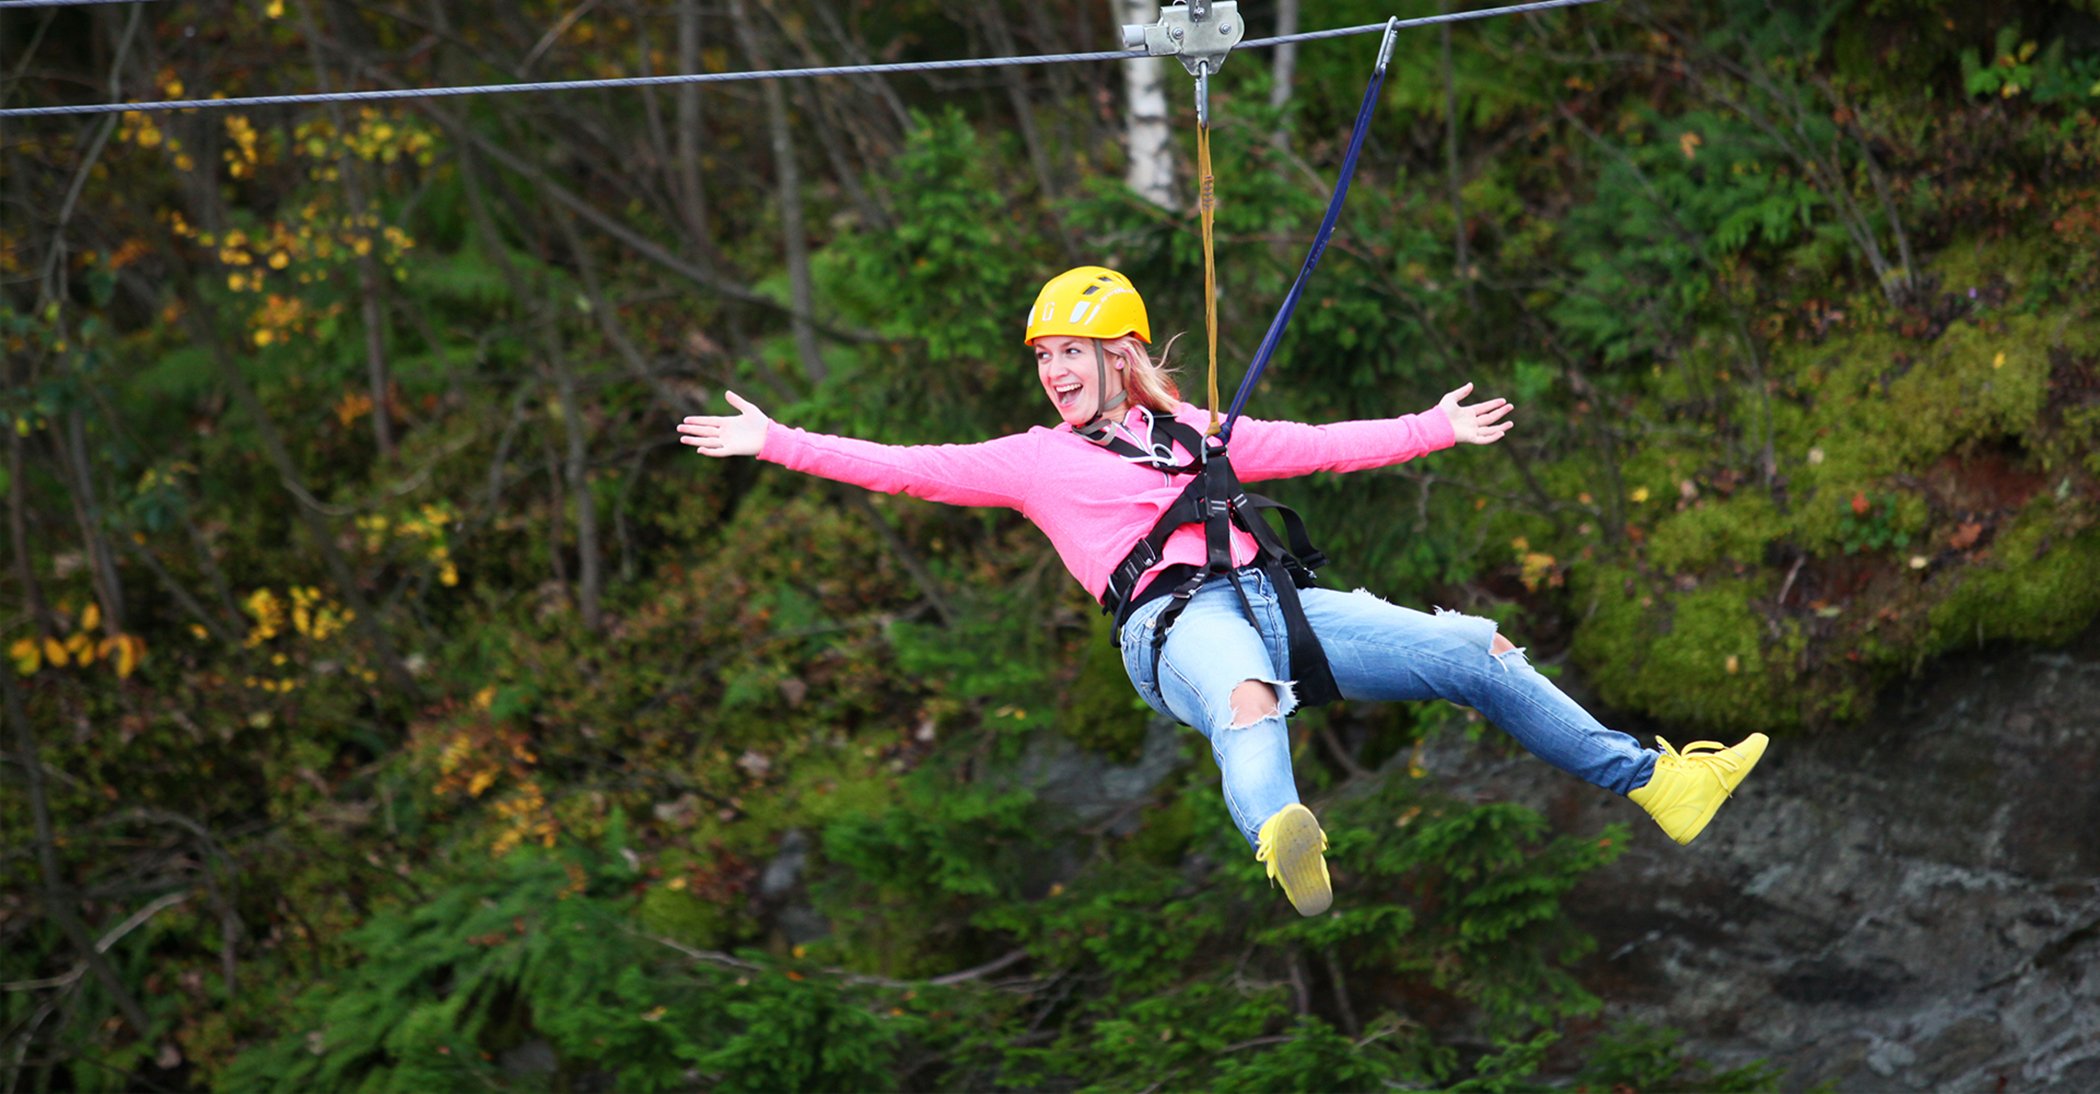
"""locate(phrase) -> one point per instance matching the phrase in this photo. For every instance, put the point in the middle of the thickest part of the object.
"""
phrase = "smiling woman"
(1083, 320)
(1221, 628)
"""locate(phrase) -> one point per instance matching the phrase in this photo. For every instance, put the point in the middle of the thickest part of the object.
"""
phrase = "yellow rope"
(1207, 203)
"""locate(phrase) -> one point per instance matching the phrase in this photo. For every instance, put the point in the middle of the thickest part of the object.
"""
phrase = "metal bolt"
(1224, 28)
(1177, 34)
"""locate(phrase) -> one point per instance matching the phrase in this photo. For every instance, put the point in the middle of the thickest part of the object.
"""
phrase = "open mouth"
(1066, 394)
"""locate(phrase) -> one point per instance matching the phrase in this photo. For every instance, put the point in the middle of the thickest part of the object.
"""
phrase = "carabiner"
(1385, 48)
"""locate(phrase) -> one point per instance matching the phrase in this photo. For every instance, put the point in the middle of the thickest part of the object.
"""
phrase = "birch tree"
(1148, 139)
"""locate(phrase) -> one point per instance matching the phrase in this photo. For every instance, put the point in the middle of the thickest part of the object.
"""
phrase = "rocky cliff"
(1909, 904)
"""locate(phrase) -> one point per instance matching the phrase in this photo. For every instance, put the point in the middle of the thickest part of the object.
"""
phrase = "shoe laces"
(1713, 757)
(1265, 853)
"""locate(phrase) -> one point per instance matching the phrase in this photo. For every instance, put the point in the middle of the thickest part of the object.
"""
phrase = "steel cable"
(232, 102)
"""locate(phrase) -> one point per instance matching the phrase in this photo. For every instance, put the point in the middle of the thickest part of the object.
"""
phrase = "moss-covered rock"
(1735, 529)
(2041, 583)
(1702, 657)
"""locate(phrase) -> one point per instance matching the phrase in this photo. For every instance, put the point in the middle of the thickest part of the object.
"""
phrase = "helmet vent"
(1090, 290)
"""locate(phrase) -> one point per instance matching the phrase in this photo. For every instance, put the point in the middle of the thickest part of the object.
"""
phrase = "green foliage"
(2042, 586)
(1636, 1057)
(1663, 246)
(908, 880)
(1869, 523)
(1736, 529)
(948, 282)
(2019, 65)
(1100, 711)
(1702, 657)
(535, 974)
(803, 1035)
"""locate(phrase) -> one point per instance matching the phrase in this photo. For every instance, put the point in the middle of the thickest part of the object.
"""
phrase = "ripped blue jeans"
(1376, 651)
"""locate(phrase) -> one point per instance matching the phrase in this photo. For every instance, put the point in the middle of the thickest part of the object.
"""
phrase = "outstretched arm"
(1265, 450)
(995, 472)
(1480, 423)
(742, 434)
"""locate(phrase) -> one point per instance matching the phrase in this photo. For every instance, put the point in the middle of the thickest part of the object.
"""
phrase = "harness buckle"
(1124, 578)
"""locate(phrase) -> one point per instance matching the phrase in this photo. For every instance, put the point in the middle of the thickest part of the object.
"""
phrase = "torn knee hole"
(1253, 701)
(1500, 645)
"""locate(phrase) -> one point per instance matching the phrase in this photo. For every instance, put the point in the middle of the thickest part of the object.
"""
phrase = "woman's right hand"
(741, 435)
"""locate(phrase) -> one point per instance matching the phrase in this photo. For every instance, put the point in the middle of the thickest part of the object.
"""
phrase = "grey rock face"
(1911, 904)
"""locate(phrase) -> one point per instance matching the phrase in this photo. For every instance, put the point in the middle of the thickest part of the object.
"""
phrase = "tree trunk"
(1283, 68)
(102, 563)
(18, 532)
(1459, 260)
(1148, 140)
(788, 182)
(58, 896)
(692, 193)
(576, 471)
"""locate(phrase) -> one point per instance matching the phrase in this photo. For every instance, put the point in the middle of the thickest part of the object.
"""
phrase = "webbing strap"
(1312, 257)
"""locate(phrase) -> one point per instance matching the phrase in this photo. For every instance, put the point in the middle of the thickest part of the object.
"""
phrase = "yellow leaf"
(26, 656)
(92, 617)
(1689, 143)
(55, 652)
(131, 649)
(1998, 361)
(481, 781)
(1639, 495)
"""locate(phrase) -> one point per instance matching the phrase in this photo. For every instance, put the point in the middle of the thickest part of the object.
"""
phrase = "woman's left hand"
(1480, 423)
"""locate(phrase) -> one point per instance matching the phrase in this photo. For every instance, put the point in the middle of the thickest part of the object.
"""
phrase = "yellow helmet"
(1089, 302)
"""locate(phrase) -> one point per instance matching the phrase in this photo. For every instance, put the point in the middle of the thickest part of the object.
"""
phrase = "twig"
(716, 957)
(112, 938)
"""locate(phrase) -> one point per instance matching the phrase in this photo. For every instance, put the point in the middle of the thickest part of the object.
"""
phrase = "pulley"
(1201, 33)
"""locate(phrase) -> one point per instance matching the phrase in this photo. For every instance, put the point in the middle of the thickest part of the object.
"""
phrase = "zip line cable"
(727, 77)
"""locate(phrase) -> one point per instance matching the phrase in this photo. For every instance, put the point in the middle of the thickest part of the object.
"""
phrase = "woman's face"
(1071, 378)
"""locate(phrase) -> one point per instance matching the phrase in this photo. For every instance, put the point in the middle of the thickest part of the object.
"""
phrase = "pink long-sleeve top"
(1093, 504)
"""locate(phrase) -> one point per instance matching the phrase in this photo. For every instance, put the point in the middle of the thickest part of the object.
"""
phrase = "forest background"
(392, 703)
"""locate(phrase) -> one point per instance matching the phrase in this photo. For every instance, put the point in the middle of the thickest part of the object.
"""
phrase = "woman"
(1098, 482)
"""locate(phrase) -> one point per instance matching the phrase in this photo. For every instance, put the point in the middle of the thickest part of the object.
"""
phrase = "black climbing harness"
(1214, 497)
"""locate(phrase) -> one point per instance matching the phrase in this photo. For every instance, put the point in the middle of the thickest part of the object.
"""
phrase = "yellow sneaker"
(1292, 844)
(1688, 786)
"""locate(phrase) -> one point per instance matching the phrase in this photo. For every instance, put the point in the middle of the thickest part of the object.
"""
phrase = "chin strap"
(1100, 427)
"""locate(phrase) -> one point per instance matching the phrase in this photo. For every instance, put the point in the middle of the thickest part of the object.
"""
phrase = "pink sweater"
(1093, 504)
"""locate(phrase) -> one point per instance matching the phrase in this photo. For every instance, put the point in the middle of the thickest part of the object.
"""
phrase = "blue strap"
(1312, 257)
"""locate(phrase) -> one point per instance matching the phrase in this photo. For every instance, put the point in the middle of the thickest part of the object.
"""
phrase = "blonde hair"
(1150, 383)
